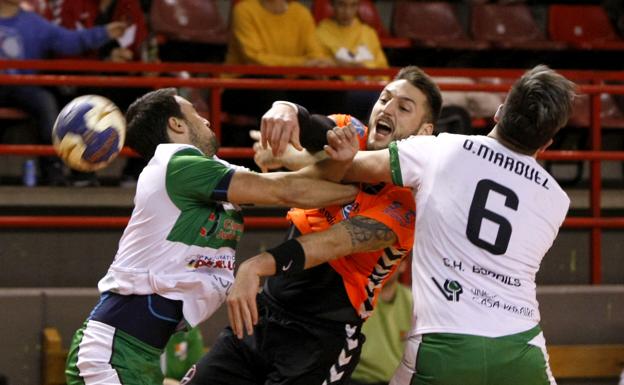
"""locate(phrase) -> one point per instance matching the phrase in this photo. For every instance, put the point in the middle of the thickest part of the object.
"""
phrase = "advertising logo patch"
(451, 290)
(197, 261)
(404, 217)
(359, 127)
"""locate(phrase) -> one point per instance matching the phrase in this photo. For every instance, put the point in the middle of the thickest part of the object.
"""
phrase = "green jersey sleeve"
(193, 177)
(395, 164)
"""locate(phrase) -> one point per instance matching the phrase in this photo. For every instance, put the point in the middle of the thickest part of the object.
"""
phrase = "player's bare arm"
(287, 189)
(369, 167)
(302, 188)
(367, 234)
(357, 234)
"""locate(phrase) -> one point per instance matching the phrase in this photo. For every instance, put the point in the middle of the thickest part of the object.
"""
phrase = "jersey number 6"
(478, 212)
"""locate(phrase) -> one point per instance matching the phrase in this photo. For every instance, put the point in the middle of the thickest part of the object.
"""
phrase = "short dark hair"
(147, 120)
(419, 79)
(537, 106)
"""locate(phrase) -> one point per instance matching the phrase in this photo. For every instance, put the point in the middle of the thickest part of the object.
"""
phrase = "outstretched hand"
(342, 144)
(241, 302)
(263, 157)
(279, 126)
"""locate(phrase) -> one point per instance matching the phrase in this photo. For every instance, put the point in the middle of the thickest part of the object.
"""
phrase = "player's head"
(162, 116)
(537, 106)
(345, 11)
(409, 105)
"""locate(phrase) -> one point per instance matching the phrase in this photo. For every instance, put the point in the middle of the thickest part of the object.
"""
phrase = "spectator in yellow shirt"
(352, 43)
(274, 33)
(348, 41)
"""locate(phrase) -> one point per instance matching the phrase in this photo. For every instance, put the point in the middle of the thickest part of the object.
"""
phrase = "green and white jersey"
(485, 218)
(179, 242)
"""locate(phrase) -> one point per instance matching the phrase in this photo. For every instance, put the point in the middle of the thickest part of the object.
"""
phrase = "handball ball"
(89, 133)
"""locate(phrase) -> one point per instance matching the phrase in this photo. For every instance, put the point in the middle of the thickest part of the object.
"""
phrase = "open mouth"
(383, 128)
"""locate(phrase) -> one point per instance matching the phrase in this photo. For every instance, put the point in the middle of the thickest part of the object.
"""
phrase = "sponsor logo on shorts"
(451, 289)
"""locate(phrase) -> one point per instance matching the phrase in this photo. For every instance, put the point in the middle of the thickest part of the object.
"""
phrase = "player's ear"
(499, 113)
(176, 125)
(425, 129)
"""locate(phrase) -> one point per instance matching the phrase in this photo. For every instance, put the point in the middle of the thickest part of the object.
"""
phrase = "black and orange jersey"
(364, 273)
(361, 275)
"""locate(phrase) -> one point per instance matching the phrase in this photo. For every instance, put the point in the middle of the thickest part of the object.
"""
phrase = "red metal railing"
(75, 222)
(217, 84)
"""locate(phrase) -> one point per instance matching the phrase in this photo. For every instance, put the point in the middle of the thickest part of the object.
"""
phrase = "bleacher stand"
(188, 20)
(438, 25)
(26, 35)
(509, 26)
(584, 27)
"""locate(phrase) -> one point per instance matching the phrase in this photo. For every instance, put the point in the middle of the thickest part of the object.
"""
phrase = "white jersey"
(485, 218)
(179, 242)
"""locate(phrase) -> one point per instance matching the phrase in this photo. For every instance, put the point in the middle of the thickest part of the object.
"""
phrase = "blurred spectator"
(349, 41)
(136, 44)
(183, 350)
(41, 7)
(478, 104)
(272, 33)
(81, 14)
(352, 43)
(26, 35)
(386, 332)
(454, 120)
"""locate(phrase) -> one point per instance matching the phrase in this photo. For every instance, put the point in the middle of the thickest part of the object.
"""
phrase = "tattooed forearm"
(368, 234)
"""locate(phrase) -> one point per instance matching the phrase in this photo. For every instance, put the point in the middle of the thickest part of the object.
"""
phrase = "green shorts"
(101, 354)
(462, 359)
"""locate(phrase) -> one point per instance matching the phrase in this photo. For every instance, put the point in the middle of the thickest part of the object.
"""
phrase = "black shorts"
(285, 349)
